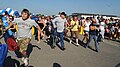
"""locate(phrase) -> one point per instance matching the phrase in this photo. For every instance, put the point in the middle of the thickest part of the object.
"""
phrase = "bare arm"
(8, 26)
(54, 24)
(44, 26)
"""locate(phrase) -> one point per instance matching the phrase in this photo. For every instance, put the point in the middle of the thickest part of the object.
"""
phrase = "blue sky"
(50, 7)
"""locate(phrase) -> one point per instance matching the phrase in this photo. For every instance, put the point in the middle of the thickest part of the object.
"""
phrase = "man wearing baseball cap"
(60, 23)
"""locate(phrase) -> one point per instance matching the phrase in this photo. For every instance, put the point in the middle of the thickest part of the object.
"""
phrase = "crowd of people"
(56, 28)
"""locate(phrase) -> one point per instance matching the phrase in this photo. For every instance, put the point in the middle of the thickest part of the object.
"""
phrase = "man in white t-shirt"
(24, 33)
(60, 24)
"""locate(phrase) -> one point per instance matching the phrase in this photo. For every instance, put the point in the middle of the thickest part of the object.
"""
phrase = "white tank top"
(87, 26)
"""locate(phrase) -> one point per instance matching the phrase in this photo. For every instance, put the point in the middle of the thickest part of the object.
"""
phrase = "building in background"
(81, 15)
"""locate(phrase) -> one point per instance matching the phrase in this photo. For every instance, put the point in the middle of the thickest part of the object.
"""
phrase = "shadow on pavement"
(49, 42)
(9, 62)
(56, 65)
(107, 38)
(29, 50)
(118, 65)
(74, 41)
(24, 66)
(91, 48)
(81, 44)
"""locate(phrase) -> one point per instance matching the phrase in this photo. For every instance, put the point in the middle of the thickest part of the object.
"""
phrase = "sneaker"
(111, 38)
(77, 44)
(38, 42)
(70, 41)
(63, 49)
(102, 40)
(26, 61)
(22, 59)
(53, 47)
(117, 39)
(96, 50)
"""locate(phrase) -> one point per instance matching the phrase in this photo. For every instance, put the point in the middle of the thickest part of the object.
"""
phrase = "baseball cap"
(63, 13)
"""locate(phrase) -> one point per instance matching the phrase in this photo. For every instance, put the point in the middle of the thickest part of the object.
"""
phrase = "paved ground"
(41, 55)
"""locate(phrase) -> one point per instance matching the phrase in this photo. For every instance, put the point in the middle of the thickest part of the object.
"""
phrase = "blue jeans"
(61, 36)
(53, 35)
(95, 40)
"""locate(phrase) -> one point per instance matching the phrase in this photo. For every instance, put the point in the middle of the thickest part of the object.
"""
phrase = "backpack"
(10, 41)
(3, 53)
(12, 45)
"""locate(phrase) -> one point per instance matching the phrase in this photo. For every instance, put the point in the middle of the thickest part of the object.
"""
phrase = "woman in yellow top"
(75, 25)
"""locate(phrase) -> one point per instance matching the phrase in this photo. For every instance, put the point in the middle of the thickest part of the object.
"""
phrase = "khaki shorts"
(23, 44)
(76, 34)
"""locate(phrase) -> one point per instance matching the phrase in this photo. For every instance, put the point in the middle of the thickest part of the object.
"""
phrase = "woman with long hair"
(42, 25)
(86, 25)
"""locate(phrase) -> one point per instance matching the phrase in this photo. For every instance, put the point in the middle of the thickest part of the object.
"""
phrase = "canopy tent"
(16, 13)
(8, 10)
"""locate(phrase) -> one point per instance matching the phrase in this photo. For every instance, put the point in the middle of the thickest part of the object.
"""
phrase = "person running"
(12, 28)
(42, 25)
(49, 27)
(86, 25)
(24, 33)
(68, 30)
(93, 34)
(60, 23)
(75, 25)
